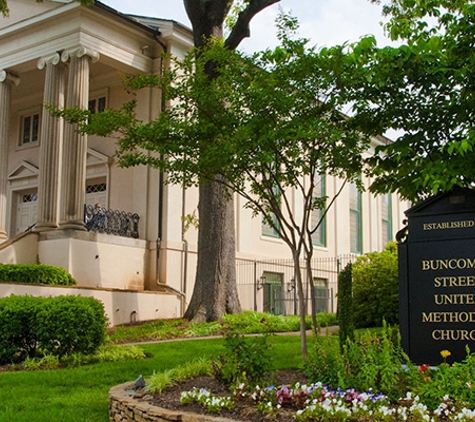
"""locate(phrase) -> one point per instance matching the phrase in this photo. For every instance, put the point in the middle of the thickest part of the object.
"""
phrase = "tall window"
(356, 232)
(319, 236)
(267, 228)
(96, 105)
(30, 129)
(322, 294)
(386, 218)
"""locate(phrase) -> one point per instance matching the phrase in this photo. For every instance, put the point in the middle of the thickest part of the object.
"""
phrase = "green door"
(273, 293)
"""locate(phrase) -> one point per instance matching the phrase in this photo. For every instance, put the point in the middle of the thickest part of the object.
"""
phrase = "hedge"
(35, 274)
(57, 325)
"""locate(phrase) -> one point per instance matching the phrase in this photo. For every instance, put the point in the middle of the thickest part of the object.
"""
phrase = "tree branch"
(241, 30)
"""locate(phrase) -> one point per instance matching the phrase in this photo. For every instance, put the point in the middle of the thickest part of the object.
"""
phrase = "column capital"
(80, 51)
(7, 76)
(51, 59)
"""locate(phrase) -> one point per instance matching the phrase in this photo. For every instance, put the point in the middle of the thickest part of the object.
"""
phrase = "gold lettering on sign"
(448, 264)
(455, 299)
(449, 225)
(448, 317)
(454, 335)
(452, 281)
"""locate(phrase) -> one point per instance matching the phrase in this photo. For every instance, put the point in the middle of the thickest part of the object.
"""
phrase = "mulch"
(244, 409)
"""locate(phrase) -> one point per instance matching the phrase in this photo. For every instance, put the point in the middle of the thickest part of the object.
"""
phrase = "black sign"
(437, 279)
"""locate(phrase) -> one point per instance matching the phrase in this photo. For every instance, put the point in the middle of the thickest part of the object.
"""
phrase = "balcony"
(108, 221)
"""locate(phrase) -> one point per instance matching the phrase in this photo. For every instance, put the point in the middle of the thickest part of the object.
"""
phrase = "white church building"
(140, 260)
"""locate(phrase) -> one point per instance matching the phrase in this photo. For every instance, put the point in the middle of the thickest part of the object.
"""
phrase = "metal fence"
(105, 220)
(269, 285)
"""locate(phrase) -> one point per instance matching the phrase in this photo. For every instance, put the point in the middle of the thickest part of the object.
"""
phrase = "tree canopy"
(267, 126)
(425, 89)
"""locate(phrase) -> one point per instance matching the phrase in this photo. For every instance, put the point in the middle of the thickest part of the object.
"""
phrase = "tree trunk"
(215, 291)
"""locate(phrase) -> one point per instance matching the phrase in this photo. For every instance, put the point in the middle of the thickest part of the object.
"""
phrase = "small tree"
(266, 127)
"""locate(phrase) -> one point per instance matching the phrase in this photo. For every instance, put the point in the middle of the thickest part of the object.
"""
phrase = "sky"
(324, 22)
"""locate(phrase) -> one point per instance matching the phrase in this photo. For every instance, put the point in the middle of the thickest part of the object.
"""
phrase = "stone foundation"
(127, 406)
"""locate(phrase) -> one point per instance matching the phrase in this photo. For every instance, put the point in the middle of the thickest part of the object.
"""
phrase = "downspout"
(185, 248)
(182, 292)
(160, 178)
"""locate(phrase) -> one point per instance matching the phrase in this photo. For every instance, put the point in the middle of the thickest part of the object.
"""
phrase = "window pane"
(319, 235)
(92, 106)
(356, 242)
(26, 129)
(101, 104)
(35, 128)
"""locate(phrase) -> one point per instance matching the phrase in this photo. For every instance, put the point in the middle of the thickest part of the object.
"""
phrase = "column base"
(44, 227)
(73, 225)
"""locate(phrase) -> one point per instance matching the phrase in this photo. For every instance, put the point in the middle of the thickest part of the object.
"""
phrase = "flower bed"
(207, 401)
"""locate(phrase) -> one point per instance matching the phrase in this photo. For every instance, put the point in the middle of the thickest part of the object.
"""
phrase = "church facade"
(140, 258)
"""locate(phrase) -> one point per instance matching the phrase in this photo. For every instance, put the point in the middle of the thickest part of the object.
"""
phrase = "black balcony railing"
(104, 220)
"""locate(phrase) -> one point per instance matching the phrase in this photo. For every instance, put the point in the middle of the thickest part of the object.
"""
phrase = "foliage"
(375, 362)
(376, 288)
(205, 399)
(265, 126)
(456, 383)
(45, 362)
(245, 360)
(247, 323)
(154, 330)
(105, 353)
(79, 394)
(371, 361)
(324, 362)
(423, 89)
(35, 274)
(159, 381)
(71, 324)
(345, 305)
(56, 326)
(18, 331)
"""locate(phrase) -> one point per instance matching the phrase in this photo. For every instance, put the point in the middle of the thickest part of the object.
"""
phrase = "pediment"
(23, 170)
(96, 158)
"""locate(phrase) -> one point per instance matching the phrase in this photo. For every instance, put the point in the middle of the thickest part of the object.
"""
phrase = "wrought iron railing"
(272, 283)
(105, 220)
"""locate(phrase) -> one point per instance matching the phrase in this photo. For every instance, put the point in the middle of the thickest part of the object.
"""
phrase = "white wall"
(121, 307)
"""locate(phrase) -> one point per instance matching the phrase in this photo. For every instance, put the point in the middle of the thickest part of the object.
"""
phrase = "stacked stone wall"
(127, 406)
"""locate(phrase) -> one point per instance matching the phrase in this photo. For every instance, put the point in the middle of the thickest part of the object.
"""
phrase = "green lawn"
(80, 394)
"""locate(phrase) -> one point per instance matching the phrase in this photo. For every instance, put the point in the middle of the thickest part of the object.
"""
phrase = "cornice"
(80, 51)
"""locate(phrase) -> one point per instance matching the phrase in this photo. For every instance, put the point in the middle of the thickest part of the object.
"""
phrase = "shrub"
(36, 274)
(375, 288)
(18, 336)
(71, 324)
(246, 359)
(57, 326)
(345, 306)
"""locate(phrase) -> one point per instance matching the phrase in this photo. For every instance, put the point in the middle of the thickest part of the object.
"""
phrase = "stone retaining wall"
(127, 406)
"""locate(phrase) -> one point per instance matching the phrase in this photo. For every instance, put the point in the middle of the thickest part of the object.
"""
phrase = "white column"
(75, 144)
(6, 81)
(51, 138)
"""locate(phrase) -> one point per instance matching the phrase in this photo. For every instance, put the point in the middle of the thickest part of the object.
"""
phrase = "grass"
(80, 394)
(247, 322)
